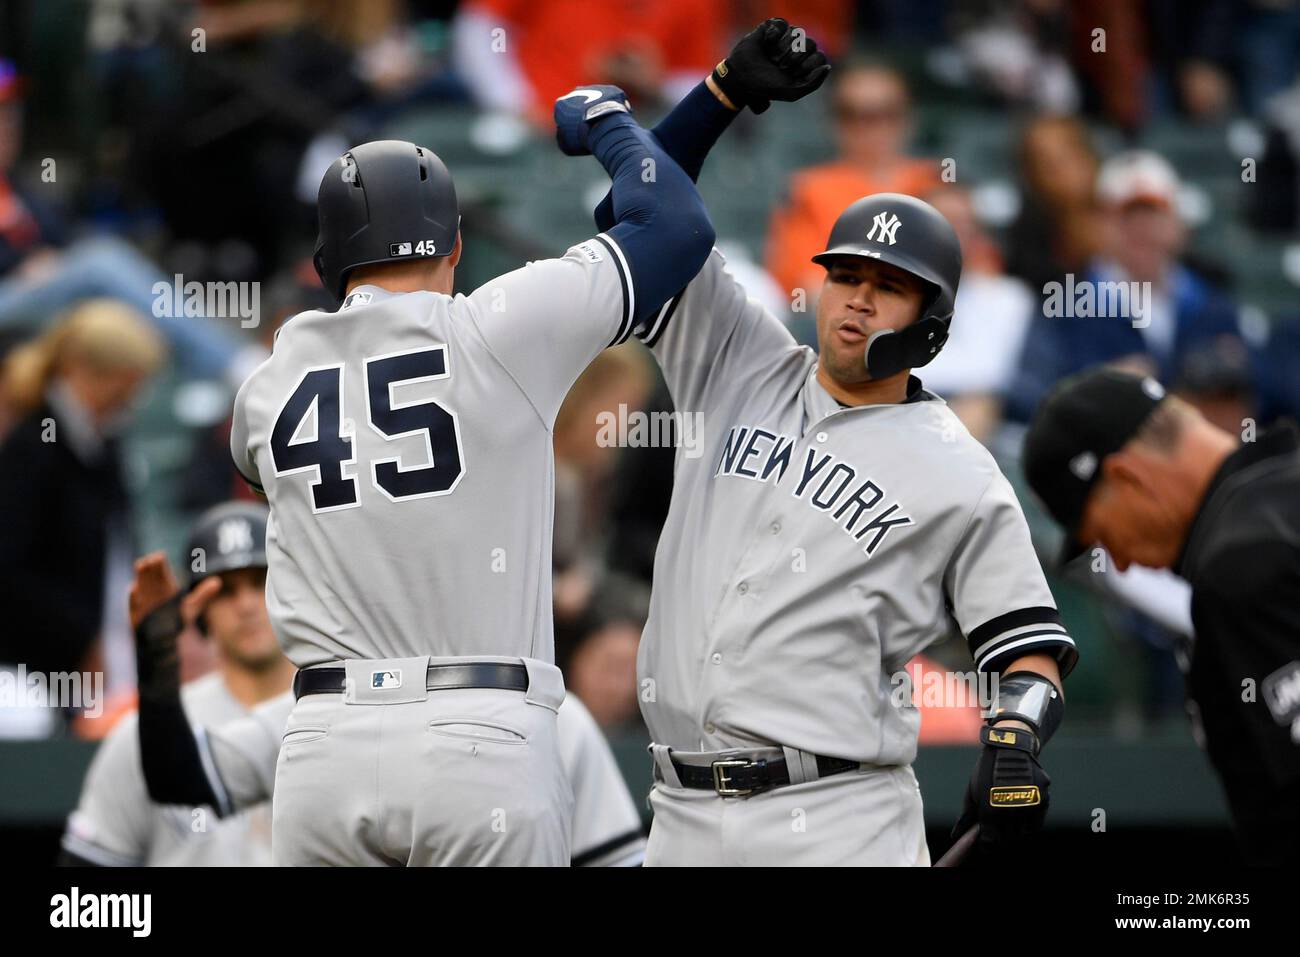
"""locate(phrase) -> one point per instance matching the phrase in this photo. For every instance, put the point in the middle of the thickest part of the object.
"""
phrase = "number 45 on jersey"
(309, 431)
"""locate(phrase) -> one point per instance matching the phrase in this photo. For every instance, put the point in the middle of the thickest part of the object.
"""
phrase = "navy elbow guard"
(575, 113)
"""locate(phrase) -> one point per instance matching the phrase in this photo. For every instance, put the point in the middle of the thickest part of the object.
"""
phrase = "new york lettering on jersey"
(819, 541)
(823, 481)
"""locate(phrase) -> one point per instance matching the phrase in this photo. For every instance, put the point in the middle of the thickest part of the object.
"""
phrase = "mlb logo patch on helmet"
(373, 192)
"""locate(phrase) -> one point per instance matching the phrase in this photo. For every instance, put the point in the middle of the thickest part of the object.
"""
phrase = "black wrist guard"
(1029, 697)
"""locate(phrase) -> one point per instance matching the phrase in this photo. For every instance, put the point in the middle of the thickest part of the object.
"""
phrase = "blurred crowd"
(142, 140)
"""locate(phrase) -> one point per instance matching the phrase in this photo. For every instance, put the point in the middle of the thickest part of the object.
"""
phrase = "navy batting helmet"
(914, 236)
(227, 537)
(380, 202)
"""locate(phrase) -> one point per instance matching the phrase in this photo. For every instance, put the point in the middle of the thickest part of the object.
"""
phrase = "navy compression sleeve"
(686, 134)
(660, 221)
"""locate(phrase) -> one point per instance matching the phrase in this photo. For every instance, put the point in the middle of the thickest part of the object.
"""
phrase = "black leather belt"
(738, 777)
(507, 676)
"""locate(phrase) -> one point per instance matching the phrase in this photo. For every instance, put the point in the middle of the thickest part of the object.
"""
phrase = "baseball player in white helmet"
(840, 520)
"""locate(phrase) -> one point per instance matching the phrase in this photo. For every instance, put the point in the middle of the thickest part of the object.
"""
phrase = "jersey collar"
(818, 403)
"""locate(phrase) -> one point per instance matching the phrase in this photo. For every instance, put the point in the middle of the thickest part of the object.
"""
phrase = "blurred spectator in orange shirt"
(517, 56)
(872, 113)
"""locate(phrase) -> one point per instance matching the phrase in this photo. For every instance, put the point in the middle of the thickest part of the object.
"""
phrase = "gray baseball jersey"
(606, 826)
(404, 445)
(116, 825)
(812, 549)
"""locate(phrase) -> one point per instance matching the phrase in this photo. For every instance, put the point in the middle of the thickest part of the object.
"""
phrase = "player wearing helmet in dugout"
(116, 823)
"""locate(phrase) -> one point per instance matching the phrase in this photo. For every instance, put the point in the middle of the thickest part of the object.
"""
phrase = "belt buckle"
(720, 779)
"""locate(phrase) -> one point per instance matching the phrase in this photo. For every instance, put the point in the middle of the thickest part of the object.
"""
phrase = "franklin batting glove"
(1008, 789)
(774, 61)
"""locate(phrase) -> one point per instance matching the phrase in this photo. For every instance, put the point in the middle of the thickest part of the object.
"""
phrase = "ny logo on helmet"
(886, 224)
(234, 535)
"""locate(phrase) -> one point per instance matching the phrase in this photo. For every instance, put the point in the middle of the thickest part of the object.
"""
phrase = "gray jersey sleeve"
(996, 587)
(239, 451)
(545, 322)
(243, 752)
(712, 338)
(112, 824)
(606, 826)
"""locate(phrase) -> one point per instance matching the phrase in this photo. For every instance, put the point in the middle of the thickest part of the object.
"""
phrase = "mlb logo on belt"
(399, 249)
(385, 679)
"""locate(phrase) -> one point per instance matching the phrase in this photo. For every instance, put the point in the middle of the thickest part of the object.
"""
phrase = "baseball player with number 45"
(840, 521)
(404, 443)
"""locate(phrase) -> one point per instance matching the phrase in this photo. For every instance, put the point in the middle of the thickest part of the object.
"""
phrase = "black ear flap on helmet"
(889, 352)
(914, 236)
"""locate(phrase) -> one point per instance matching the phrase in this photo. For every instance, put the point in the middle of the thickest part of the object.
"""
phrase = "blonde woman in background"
(65, 553)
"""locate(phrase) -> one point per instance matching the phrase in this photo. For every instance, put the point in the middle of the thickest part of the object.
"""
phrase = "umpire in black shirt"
(1119, 463)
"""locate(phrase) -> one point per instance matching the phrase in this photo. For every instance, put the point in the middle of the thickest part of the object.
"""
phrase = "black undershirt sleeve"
(169, 750)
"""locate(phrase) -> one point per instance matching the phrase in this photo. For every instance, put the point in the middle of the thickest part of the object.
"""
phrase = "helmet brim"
(906, 263)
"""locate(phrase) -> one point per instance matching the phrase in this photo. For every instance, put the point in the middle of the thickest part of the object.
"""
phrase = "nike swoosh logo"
(591, 96)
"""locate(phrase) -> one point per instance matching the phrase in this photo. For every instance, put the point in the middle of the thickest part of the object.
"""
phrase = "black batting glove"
(771, 62)
(1007, 796)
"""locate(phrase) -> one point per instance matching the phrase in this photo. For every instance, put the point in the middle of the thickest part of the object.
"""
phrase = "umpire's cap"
(914, 236)
(383, 201)
(227, 537)
(1083, 419)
